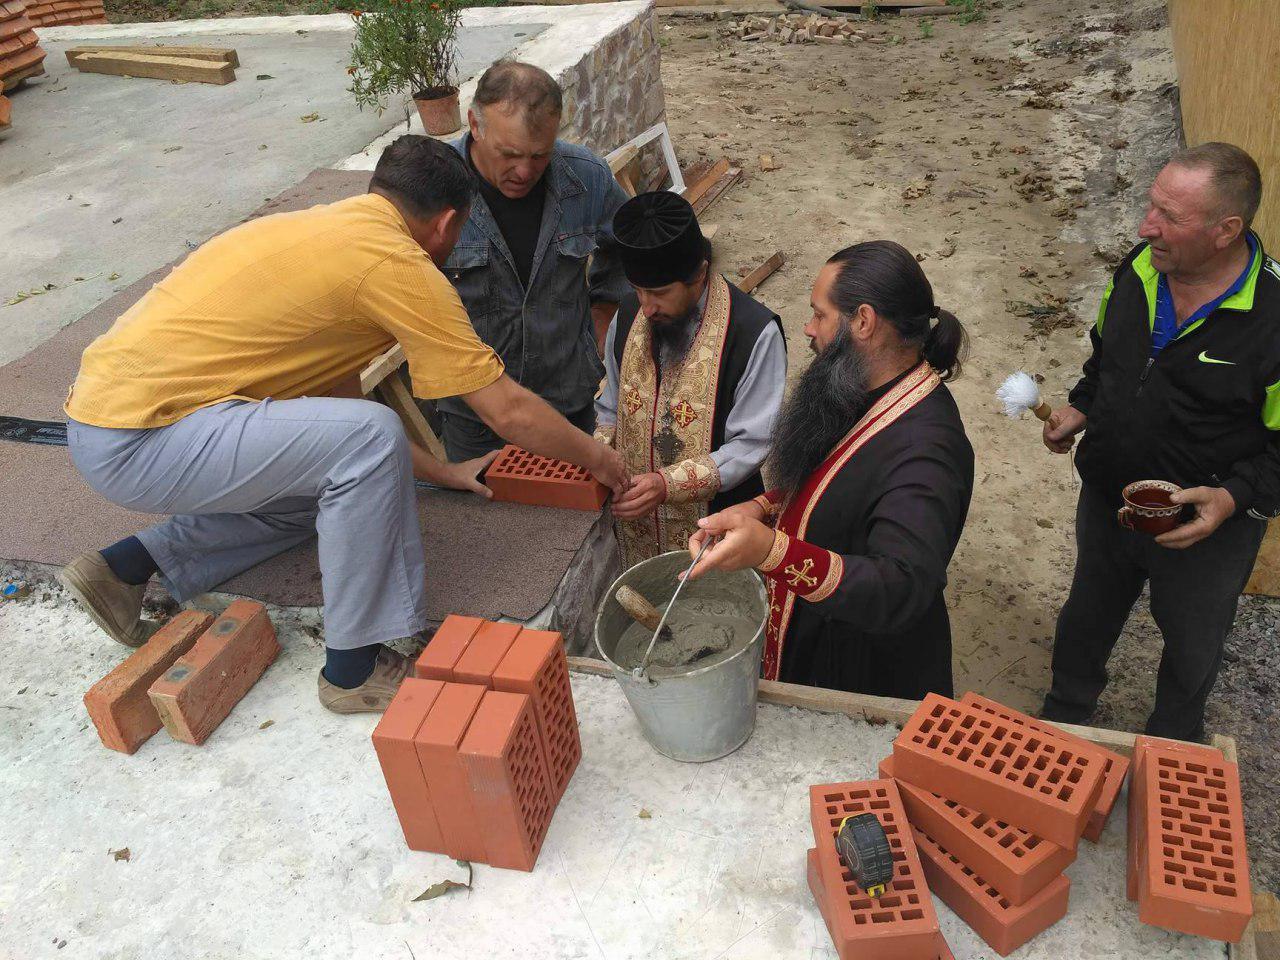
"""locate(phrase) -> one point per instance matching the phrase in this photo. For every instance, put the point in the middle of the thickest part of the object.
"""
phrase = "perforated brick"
(536, 665)
(1029, 779)
(1002, 925)
(393, 741)
(1188, 854)
(1016, 863)
(1115, 766)
(502, 754)
(437, 742)
(899, 925)
(440, 655)
(519, 476)
(485, 651)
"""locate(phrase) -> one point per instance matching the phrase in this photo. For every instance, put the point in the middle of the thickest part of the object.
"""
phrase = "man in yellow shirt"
(207, 401)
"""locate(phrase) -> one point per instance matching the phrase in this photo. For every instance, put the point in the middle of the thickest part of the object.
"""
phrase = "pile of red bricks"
(479, 745)
(518, 476)
(21, 55)
(65, 13)
(186, 678)
(1188, 867)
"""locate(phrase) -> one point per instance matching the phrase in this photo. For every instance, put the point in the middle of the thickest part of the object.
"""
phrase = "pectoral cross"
(799, 575)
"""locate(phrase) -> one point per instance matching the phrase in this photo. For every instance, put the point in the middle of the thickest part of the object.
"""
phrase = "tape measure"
(864, 848)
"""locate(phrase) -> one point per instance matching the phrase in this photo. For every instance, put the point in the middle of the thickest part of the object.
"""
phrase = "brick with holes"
(437, 742)
(446, 646)
(502, 755)
(536, 665)
(519, 476)
(486, 650)
(1031, 780)
(900, 924)
(1115, 766)
(119, 705)
(198, 692)
(1017, 864)
(1188, 857)
(1002, 925)
(393, 741)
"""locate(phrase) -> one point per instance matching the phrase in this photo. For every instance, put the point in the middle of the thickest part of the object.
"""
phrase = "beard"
(829, 399)
(674, 338)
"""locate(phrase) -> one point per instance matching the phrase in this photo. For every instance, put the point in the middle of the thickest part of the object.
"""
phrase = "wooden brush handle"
(638, 608)
(1042, 410)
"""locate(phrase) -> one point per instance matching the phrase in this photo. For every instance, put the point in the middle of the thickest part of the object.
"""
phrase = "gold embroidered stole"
(794, 520)
(682, 408)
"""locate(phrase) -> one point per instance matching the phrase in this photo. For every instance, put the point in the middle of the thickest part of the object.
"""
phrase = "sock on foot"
(130, 561)
(349, 668)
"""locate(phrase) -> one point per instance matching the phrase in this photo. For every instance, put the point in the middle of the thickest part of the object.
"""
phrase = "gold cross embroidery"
(799, 575)
(631, 399)
(684, 413)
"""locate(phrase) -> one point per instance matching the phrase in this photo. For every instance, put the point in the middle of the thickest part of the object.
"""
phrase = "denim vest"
(544, 334)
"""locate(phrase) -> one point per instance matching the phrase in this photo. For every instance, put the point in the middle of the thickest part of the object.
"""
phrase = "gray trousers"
(1194, 593)
(245, 481)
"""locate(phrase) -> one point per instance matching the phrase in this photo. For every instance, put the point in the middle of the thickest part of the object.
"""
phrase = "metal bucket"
(705, 712)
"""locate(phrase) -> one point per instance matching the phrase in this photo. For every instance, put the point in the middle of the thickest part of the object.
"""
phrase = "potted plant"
(408, 45)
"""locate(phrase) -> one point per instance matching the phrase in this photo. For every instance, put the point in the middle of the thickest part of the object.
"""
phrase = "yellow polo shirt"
(284, 306)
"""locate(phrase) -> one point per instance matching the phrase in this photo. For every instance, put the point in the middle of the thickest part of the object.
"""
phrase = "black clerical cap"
(659, 239)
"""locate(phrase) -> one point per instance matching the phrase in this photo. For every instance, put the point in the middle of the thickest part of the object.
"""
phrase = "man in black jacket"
(1183, 385)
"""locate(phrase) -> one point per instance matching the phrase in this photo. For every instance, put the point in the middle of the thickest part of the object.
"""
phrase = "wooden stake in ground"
(153, 67)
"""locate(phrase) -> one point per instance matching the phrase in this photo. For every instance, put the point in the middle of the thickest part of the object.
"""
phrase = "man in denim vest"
(535, 266)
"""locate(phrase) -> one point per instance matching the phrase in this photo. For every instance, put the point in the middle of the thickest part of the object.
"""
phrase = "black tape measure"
(864, 848)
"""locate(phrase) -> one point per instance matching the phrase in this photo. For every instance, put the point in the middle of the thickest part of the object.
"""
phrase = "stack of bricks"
(997, 803)
(1188, 866)
(478, 747)
(518, 476)
(187, 678)
(21, 55)
(66, 13)
(901, 923)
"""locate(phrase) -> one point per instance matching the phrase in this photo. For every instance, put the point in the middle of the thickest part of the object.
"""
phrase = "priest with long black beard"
(873, 475)
(695, 371)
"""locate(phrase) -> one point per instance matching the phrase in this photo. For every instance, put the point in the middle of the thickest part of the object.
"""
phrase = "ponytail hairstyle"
(884, 276)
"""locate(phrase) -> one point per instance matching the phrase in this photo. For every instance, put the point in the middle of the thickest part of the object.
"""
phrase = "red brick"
(518, 476)
(1016, 863)
(900, 924)
(201, 689)
(1116, 766)
(19, 30)
(437, 660)
(393, 741)
(21, 62)
(1002, 925)
(118, 703)
(502, 754)
(1028, 779)
(536, 665)
(437, 743)
(6, 111)
(485, 652)
(1188, 853)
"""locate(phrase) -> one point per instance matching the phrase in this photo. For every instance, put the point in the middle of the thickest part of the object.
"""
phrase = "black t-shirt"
(519, 220)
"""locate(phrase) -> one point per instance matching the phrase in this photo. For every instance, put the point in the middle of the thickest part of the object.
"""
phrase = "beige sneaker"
(114, 605)
(374, 695)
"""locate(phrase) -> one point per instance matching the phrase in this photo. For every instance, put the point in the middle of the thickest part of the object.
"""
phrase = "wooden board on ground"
(762, 273)
(727, 180)
(152, 67)
(699, 178)
(1265, 579)
(214, 54)
(1266, 925)
(6, 111)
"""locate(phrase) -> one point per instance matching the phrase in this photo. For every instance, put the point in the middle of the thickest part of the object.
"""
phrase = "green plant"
(926, 29)
(870, 11)
(403, 45)
(969, 11)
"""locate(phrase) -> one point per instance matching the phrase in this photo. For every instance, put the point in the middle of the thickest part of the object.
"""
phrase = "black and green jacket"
(1205, 411)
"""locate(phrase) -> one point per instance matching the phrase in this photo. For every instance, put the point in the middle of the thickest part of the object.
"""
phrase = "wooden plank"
(762, 273)
(152, 67)
(381, 367)
(396, 395)
(1265, 579)
(214, 54)
(694, 191)
(731, 176)
(1266, 925)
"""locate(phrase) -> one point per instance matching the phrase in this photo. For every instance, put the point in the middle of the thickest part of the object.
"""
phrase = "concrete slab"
(279, 841)
(118, 176)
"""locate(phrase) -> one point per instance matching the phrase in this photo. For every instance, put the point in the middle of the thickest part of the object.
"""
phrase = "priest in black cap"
(694, 376)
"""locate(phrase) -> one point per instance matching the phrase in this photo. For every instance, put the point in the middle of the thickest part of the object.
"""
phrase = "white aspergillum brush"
(1019, 392)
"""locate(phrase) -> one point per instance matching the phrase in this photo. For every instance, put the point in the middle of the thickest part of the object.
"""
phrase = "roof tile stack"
(64, 13)
(20, 53)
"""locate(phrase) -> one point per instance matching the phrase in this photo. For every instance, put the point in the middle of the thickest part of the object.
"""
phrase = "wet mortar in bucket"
(704, 631)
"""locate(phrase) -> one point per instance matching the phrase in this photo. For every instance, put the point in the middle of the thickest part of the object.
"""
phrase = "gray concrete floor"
(103, 179)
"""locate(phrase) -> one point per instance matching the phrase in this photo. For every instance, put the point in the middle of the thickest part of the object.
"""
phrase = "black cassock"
(894, 513)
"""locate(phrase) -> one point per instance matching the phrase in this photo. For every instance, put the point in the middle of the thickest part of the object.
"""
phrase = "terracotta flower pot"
(439, 110)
